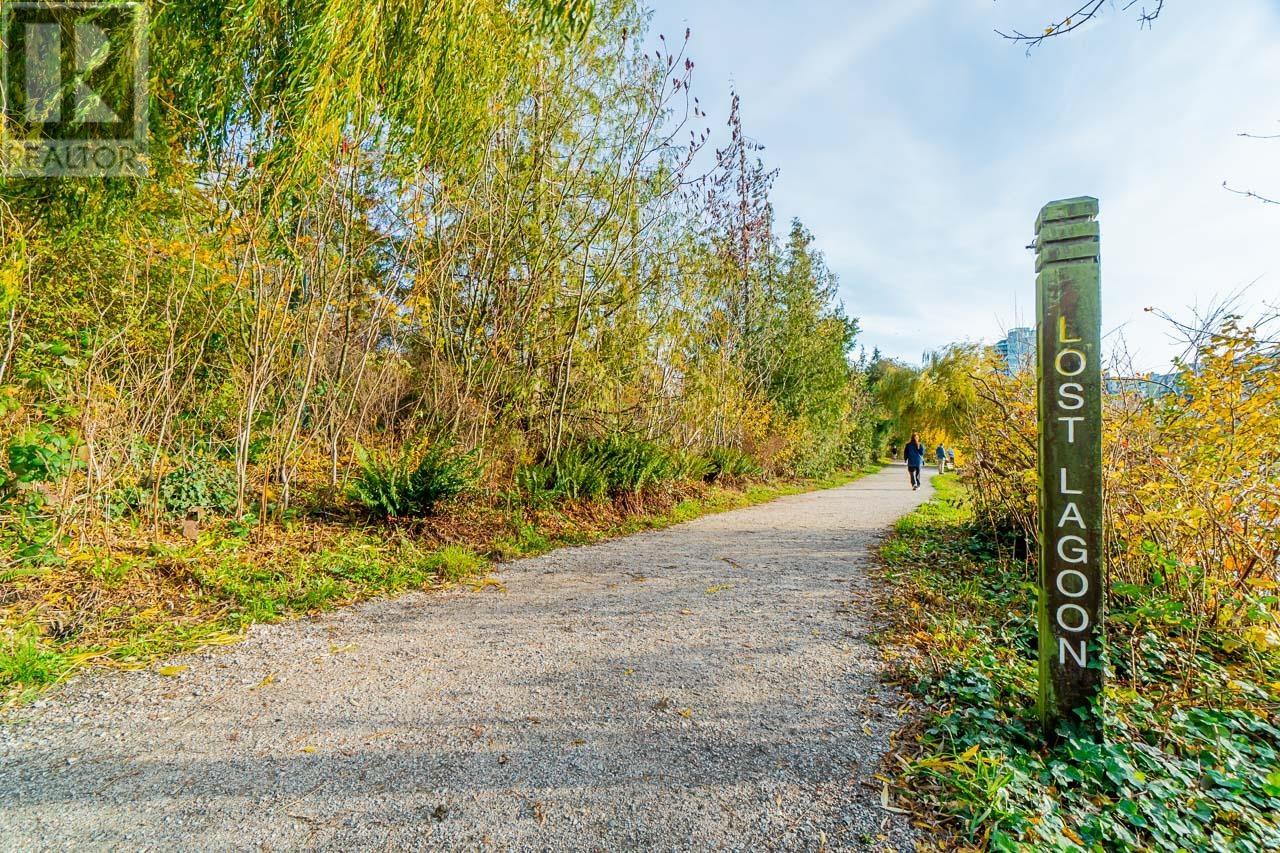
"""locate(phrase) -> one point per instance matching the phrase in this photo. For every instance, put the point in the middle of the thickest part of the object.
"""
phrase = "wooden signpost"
(1069, 380)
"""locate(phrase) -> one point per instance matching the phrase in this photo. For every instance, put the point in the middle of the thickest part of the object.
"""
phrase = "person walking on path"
(914, 454)
(941, 453)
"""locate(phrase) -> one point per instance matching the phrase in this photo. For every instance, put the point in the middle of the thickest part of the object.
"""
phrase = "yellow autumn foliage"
(1192, 478)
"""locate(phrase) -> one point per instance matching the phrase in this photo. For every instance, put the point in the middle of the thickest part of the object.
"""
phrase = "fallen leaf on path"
(720, 587)
(171, 671)
(884, 801)
(308, 749)
(268, 679)
(337, 650)
(685, 712)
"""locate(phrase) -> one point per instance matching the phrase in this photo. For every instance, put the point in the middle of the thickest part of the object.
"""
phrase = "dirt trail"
(707, 686)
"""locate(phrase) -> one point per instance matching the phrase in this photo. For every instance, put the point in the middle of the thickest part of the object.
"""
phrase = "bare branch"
(1248, 135)
(1074, 20)
(1250, 194)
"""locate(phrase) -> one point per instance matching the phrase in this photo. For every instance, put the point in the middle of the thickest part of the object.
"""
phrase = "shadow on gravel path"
(709, 685)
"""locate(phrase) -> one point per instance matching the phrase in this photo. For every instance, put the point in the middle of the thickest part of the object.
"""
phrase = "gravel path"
(707, 686)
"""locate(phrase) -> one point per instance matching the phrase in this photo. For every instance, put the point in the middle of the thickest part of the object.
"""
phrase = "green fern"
(727, 462)
(401, 487)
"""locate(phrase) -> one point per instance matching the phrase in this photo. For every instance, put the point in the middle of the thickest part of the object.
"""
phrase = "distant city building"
(1017, 350)
(1150, 387)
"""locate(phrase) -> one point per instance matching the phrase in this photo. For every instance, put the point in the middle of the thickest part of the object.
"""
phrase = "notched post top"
(1080, 207)
(1067, 230)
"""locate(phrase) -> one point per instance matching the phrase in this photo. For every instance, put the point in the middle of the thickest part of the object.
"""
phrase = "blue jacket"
(914, 454)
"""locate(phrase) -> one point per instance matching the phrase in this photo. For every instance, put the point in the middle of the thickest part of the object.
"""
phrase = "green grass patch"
(526, 540)
(454, 563)
(356, 567)
(1191, 755)
(27, 659)
(228, 589)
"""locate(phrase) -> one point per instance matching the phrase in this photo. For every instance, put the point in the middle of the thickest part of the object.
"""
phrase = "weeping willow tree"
(290, 82)
(937, 399)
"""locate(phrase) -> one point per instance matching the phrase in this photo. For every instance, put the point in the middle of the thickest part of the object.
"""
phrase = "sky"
(918, 146)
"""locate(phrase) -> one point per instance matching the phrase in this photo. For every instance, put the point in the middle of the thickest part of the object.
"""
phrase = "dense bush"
(34, 459)
(200, 484)
(1192, 479)
(383, 297)
(411, 485)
